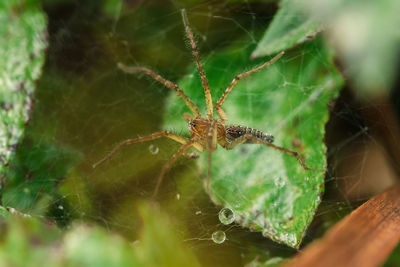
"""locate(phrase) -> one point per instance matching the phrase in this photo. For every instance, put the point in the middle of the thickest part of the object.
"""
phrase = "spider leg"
(191, 155)
(253, 140)
(212, 136)
(192, 106)
(235, 80)
(209, 158)
(199, 66)
(211, 147)
(175, 137)
(168, 164)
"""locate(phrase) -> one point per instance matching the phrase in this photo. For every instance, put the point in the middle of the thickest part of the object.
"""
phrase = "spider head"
(197, 126)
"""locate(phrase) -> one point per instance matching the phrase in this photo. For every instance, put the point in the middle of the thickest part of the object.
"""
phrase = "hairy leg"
(211, 147)
(218, 108)
(195, 110)
(191, 155)
(212, 136)
(175, 137)
(254, 140)
(168, 164)
(199, 66)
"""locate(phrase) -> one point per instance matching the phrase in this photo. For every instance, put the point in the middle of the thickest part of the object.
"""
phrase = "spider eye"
(193, 124)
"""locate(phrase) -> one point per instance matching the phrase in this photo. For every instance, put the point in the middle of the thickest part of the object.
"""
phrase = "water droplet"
(280, 182)
(218, 237)
(153, 149)
(226, 216)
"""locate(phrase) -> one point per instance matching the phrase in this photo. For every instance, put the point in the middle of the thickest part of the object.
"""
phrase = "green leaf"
(269, 191)
(23, 31)
(31, 242)
(113, 8)
(35, 172)
(93, 246)
(366, 37)
(290, 27)
(26, 241)
(3, 212)
(272, 262)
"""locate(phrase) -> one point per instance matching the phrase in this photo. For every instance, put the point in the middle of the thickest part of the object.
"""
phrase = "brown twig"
(364, 238)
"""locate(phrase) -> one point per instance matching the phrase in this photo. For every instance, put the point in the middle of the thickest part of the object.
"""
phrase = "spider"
(206, 132)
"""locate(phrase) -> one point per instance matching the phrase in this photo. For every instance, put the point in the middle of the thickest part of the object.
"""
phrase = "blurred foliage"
(36, 169)
(366, 37)
(364, 34)
(84, 106)
(394, 258)
(112, 8)
(23, 31)
(291, 25)
(273, 262)
(30, 242)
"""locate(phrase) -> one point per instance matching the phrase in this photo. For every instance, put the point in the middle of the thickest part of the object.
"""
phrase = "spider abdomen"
(235, 131)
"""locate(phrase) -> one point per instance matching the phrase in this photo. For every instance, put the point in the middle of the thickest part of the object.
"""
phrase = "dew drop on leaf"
(280, 182)
(218, 237)
(226, 216)
(153, 149)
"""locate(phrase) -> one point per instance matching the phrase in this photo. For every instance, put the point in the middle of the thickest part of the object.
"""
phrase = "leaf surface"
(23, 31)
(366, 36)
(269, 191)
(290, 26)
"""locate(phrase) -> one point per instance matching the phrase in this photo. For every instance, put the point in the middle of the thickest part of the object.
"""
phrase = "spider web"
(85, 106)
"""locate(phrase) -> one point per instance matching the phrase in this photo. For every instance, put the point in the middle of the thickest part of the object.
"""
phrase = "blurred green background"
(84, 106)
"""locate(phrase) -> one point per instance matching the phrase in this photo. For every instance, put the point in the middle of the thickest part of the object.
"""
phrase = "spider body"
(206, 131)
(234, 132)
(200, 129)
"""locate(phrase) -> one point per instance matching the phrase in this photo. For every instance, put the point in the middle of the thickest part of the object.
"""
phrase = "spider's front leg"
(211, 142)
(186, 144)
(235, 80)
(172, 159)
(254, 139)
(191, 155)
(175, 137)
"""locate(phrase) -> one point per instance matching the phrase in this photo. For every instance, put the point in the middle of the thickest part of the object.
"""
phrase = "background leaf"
(23, 31)
(31, 242)
(366, 36)
(84, 106)
(291, 26)
(268, 190)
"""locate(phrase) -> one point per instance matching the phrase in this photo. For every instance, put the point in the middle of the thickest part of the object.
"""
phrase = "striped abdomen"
(235, 131)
